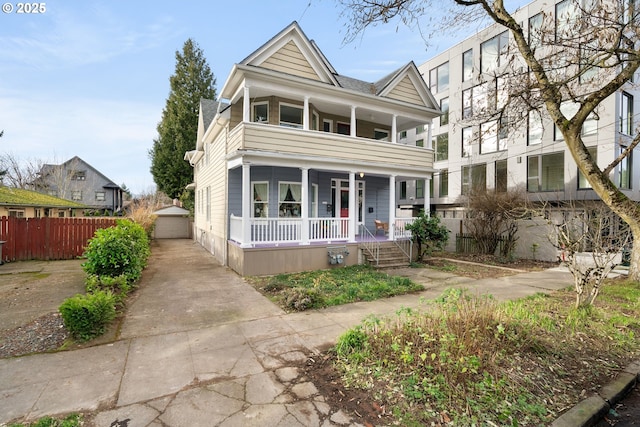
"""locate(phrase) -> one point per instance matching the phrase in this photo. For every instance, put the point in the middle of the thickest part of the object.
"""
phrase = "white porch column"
(305, 114)
(246, 105)
(394, 130)
(427, 197)
(429, 134)
(246, 206)
(392, 207)
(304, 205)
(353, 215)
(353, 120)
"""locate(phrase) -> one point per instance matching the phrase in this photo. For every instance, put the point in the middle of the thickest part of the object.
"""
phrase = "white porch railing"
(288, 230)
(399, 230)
(329, 229)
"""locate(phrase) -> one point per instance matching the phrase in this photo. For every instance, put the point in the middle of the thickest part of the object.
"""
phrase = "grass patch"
(471, 360)
(72, 420)
(325, 288)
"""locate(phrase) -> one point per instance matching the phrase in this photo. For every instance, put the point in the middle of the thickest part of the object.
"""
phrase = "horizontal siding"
(290, 60)
(406, 91)
(310, 143)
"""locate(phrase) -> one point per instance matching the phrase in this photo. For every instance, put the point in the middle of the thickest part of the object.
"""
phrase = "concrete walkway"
(200, 347)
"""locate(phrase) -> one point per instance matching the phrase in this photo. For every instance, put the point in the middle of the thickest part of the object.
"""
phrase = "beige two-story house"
(295, 163)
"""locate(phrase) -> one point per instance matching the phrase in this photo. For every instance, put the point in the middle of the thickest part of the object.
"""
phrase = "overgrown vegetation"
(472, 361)
(116, 257)
(325, 288)
(72, 420)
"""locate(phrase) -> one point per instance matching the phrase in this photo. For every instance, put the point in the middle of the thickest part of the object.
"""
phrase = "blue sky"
(90, 78)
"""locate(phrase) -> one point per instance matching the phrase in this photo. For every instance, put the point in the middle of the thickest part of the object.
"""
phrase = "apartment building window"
(290, 198)
(588, 71)
(474, 178)
(474, 100)
(419, 188)
(260, 112)
(535, 30)
(291, 116)
(493, 136)
(442, 147)
(100, 196)
(567, 15)
(444, 107)
(545, 172)
(403, 190)
(439, 78)
(626, 113)
(501, 176)
(443, 189)
(381, 134)
(534, 130)
(76, 195)
(467, 139)
(494, 52)
(420, 143)
(624, 170)
(583, 184)
(260, 208)
(467, 65)
(569, 109)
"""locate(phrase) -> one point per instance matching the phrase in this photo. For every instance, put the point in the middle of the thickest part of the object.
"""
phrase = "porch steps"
(391, 256)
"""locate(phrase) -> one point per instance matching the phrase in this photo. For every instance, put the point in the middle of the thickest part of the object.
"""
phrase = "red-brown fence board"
(47, 238)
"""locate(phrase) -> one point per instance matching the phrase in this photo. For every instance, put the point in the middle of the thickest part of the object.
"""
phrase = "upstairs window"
(442, 147)
(494, 52)
(343, 128)
(100, 196)
(535, 30)
(467, 139)
(291, 116)
(260, 112)
(76, 195)
(439, 78)
(444, 107)
(626, 114)
(467, 65)
(381, 134)
(534, 135)
(78, 175)
(474, 178)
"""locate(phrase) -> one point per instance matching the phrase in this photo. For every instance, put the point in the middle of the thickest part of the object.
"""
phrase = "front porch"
(274, 232)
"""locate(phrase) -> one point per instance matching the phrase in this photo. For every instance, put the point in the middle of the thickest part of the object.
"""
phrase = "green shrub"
(118, 285)
(119, 250)
(87, 316)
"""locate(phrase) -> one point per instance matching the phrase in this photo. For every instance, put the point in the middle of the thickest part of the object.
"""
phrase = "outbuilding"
(173, 222)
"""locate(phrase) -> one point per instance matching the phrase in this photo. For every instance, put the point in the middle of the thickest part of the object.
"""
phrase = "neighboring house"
(533, 157)
(296, 161)
(78, 181)
(21, 203)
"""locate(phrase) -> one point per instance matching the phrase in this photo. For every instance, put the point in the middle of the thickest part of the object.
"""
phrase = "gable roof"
(290, 51)
(75, 160)
(19, 197)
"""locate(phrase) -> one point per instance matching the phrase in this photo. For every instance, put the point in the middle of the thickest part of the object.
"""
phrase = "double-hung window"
(260, 201)
(290, 199)
(291, 115)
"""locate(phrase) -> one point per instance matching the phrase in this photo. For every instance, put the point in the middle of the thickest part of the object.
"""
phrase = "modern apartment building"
(470, 152)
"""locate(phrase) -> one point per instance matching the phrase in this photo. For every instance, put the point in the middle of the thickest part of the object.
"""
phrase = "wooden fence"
(47, 238)
(466, 244)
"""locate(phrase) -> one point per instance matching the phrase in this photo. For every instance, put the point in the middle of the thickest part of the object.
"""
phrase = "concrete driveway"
(200, 347)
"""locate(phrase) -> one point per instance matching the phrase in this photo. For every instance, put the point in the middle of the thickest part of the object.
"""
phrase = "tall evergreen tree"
(177, 131)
